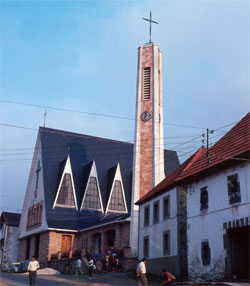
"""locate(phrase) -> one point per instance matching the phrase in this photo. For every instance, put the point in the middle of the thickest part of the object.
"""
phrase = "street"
(115, 279)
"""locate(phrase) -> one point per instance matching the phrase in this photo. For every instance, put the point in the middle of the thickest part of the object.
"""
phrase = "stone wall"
(10, 250)
(68, 266)
(155, 265)
(182, 230)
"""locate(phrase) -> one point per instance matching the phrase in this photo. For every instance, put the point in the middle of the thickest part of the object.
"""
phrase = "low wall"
(68, 266)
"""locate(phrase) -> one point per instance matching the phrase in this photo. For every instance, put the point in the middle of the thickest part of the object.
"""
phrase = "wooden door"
(66, 244)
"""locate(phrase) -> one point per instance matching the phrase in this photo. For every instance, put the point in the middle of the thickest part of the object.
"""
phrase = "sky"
(82, 56)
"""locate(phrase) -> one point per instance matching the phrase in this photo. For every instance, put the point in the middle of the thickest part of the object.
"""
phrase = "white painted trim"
(92, 173)
(65, 230)
(68, 170)
(108, 223)
(117, 177)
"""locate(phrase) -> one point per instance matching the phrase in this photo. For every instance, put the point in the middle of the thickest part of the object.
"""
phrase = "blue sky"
(82, 55)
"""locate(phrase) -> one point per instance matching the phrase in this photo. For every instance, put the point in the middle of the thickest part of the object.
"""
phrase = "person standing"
(32, 268)
(79, 266)
(169, 278)
(141, 273)
(91, 267)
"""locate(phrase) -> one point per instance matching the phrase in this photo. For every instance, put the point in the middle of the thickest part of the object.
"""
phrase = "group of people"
(169, 278)
(91, 267)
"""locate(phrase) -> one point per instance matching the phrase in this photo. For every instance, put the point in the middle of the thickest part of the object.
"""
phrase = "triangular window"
(66, 195)
(92, 198)
(117, 201)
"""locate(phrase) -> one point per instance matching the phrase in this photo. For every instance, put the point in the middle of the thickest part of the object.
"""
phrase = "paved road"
(107, 279)
(119, 279)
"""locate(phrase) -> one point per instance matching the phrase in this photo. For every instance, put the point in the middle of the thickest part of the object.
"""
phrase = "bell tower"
(148, 165)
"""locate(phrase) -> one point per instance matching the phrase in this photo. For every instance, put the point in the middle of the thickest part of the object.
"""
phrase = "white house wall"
(29, 196)
(155, 231)
(207, 225)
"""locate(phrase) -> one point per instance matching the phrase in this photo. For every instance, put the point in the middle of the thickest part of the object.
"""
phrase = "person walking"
(32, 268)
(169, 278)
(141, 273)
(90, 267)
(78, 267)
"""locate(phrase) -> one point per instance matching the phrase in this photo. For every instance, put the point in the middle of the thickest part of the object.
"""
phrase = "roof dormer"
(92, 199)
(66, 196)
(117, 200)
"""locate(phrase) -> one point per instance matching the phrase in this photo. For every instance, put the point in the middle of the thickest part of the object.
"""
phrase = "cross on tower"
(150, 25)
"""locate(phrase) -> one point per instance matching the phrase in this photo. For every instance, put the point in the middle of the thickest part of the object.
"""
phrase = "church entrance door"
(97, 243)
(110, 238)
(66, 245)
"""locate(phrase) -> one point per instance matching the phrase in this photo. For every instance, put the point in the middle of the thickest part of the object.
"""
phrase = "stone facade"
(50, 245)
(10, 247)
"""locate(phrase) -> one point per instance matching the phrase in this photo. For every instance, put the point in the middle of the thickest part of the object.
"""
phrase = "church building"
(82, 189)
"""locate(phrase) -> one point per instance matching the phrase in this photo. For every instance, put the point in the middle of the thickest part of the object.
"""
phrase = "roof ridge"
(64, 132)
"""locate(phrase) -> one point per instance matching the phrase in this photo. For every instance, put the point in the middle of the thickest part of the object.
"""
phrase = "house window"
(146, 246)
(166, 207)
(156, 212)
(66, 196)
(205, 253)
(146, 84)
(166, 242)
(146, 216)
(233, 189)
(203, 199)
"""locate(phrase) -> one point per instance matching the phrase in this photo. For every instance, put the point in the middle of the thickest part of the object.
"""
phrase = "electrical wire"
(91, 113)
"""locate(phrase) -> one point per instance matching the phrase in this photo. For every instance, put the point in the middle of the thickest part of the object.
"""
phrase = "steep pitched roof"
(171, 180)
(10, 219)
(230, 149)
(83, 150)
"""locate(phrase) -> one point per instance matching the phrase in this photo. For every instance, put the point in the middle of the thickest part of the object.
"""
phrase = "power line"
(91, 113)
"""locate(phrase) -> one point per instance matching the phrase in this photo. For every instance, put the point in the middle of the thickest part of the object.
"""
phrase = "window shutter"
(146, 85)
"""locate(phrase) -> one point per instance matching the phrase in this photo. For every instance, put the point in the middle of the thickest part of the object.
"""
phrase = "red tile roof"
(172, 178)
(228, 149)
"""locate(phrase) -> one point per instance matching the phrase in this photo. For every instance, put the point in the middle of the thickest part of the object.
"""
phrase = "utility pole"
(207, 139)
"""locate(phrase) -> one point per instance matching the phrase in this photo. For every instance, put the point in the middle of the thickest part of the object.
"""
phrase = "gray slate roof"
(83, 150)
(10, 219)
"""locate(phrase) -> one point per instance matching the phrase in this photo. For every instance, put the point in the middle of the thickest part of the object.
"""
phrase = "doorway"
(66, 245)
(97, 243)
(28, 248)
(239, 251)
(37, 244)
(110, 238)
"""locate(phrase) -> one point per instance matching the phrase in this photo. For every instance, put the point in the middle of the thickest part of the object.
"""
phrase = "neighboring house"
(163, 224)
(196, 221)
(218, 208)
(9, 223)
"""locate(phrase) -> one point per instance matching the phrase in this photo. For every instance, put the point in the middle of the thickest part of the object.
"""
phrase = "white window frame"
(67, 169)
(92, 173)
(117, 177)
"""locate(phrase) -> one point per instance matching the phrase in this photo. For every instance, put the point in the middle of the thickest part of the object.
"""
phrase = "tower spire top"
(150, 25)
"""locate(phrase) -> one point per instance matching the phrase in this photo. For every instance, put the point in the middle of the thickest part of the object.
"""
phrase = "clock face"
(145, 116)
